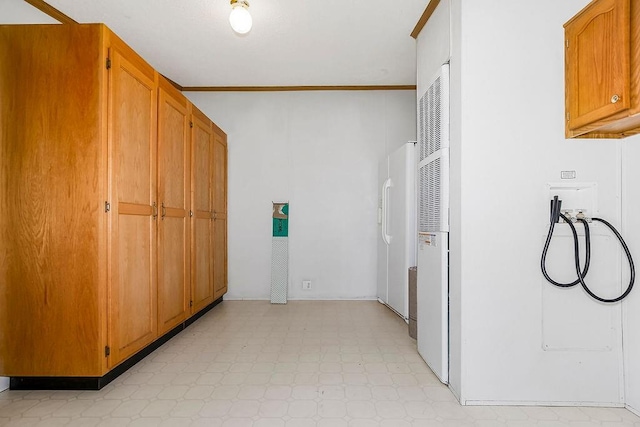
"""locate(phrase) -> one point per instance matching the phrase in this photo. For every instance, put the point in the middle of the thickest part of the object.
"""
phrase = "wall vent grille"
(433, 166)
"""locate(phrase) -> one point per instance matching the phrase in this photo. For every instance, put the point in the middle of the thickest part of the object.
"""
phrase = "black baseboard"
(96, 383)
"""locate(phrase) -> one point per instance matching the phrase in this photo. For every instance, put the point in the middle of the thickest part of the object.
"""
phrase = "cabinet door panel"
(132, 159)
(135, 262)
(173, 297)
(202, 141)
(220, 215)
(134, 124)
(220, 257)
(173, 194)
(173, 154)
(202, 290)
(598, 62)
(202, 264)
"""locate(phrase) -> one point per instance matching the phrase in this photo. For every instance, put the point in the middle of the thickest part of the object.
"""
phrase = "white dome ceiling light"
(240, 18)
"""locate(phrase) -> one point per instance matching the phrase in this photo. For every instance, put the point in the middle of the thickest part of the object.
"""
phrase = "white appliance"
(397, 227)
(433, 225)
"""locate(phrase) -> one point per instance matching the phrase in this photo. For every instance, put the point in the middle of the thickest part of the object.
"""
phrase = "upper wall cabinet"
(602, 75)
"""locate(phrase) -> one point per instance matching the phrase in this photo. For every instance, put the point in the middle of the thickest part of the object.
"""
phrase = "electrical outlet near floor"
(306, 284)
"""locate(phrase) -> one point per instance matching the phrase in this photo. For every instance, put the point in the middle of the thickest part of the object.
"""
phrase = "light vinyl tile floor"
(303, 364)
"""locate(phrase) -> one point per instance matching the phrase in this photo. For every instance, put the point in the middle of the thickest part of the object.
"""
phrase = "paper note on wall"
(281, 219)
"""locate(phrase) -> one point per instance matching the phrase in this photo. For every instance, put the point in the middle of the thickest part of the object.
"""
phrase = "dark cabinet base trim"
(96, 383)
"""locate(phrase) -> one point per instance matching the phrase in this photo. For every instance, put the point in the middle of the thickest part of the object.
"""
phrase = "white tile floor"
(250, 363)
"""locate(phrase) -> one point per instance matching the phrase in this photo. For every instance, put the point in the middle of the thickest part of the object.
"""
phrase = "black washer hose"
(555, 214)
(587, 258)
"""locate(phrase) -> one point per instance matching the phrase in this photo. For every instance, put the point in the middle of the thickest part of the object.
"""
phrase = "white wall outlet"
(306, 284)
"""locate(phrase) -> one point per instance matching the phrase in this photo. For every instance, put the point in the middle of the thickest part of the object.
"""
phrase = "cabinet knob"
(614, 99)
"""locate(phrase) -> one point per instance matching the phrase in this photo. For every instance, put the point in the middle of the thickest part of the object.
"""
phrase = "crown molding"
(424, 18)
(174, 84)
(292, 88)
(51, 11)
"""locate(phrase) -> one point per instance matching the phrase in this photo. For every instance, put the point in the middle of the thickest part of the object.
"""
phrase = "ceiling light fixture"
(240, 18)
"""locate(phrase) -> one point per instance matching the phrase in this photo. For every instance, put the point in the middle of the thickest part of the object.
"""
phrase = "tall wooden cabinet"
(103, 181)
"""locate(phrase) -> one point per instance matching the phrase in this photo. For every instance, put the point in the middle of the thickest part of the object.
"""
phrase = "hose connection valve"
(582, 214)
(568, 213)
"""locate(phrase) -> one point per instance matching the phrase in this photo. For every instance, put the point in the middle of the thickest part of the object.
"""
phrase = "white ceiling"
(292, 43)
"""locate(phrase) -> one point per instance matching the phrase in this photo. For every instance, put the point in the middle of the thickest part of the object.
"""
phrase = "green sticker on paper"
(280, 219)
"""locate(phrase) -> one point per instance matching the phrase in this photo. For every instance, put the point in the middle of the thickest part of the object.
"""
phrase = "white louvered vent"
(422, 146)
(431, 120)
(433, 166)
(430, 188)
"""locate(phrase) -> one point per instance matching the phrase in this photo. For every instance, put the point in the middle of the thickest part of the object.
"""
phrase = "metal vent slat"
(433, 127)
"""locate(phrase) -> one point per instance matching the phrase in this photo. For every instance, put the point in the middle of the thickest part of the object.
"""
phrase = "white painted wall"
(456, 316)
(507, 143)
(512, 145)
(433, 46)
(630, 148)
(320, 151)
(21, 12)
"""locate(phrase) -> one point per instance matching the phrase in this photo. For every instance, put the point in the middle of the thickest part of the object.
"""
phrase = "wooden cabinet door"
(597, 62)
(52, 190)
(219, 214)
(202, 206)
(132, 165)
(173, 195)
